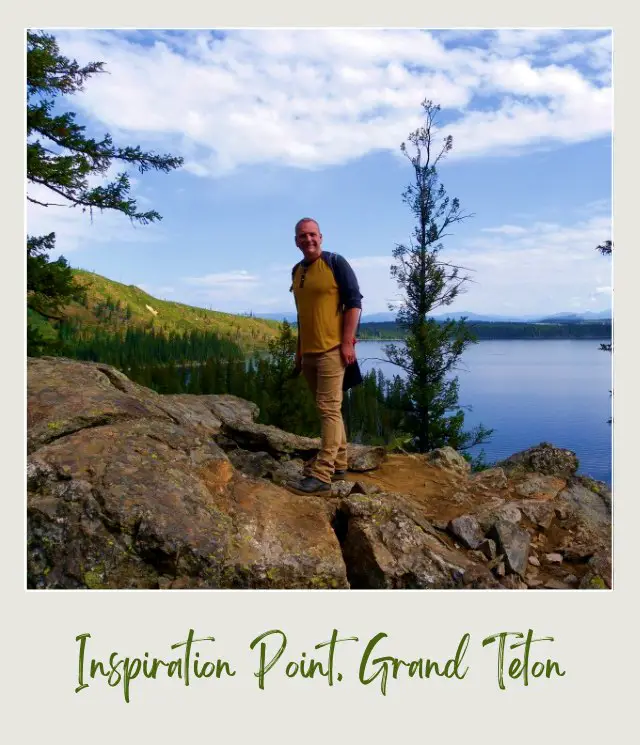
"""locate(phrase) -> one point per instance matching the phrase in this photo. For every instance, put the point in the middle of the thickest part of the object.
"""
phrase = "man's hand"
(348, 352)
(350, 324)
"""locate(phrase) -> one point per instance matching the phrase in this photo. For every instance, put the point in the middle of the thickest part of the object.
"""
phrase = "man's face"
(309, 240)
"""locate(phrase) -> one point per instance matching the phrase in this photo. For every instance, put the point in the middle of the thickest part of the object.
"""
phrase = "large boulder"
(467, 529)
(66, 396)
(514, 543)
(599, 487)
(140, 504)
(363, 458)
(448, 458)
(385, 547)
(490, 480)
(238, 429)
(540, 514)
(128, 489)
(544, 459)
(591, 504)
(537, 486)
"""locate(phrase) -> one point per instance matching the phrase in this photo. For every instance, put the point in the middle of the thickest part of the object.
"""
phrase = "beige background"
(593, 630)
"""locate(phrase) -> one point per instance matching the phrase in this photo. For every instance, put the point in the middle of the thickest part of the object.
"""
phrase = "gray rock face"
(593, 506)
(488, 548)
(544, 459)
(385, 548)
(237, 426)
(467, 530)
(227, 408)
(341, 488)
(65, 396)
(599, 487)
(360, 487)
(539, 513)
(540, 487)
(287, 472)
(514, 543)
(448, 458)
(258, 465)
(488, 516)
(363, 458)
(131, 489)
(598, 574)
(130, 503)
(492, 479)
(139, 496)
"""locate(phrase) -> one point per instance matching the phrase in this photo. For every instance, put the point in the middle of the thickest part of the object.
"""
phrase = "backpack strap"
(293, 274)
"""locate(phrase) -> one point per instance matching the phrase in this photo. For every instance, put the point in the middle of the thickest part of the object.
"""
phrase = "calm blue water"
(532, 391)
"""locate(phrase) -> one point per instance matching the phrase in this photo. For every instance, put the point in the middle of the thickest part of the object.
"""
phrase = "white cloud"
(595, 53)
(157, 292)
(78, 228)
(222, 288)
(239, 277)
(515, 42)
(545, 268)
(540, 268)
(506, 229)
(364, 262)
(314, 98)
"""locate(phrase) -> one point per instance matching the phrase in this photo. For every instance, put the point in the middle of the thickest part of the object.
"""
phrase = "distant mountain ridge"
(386, 317)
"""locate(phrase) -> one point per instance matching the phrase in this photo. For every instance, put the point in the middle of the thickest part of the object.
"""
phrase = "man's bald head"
(301, 222)
(309, 238)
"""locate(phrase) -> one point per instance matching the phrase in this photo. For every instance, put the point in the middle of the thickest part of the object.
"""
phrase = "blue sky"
(276, 125)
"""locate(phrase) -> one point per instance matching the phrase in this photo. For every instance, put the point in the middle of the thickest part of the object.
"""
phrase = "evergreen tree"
(61, 159)
(288, 403)
(606, 249)
(434, 417)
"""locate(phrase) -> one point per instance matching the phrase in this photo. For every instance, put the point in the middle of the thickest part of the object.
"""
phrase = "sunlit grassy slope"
(168, 316)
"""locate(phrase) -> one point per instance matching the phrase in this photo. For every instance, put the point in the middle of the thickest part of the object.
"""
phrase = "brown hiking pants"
(324, 372)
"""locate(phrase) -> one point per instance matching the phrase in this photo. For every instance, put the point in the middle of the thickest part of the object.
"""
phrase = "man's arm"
(350, 324)
(350, 297)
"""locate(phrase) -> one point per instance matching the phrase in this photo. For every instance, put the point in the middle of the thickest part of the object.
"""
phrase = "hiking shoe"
(310, 485)
(339, 475)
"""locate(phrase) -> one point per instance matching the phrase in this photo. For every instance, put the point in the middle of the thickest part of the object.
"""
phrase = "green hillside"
(493, 330)
(112, 305)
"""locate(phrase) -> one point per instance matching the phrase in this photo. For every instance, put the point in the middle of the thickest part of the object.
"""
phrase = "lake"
(532, 391)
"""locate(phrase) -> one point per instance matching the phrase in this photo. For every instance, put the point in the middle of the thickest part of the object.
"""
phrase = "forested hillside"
(486, 330)
(110, 303)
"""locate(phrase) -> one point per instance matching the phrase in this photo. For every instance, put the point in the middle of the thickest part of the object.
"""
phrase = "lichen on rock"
(131, 489)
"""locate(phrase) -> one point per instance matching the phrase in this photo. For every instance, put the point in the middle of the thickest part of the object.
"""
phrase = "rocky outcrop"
(543, 459)
(386, 547)
(131, 489)
(448, 458)
(513, 542)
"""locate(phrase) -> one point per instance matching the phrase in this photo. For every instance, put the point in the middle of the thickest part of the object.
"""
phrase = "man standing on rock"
(328, 302)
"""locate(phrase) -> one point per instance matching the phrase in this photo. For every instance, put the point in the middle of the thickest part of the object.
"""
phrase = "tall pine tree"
(61, 160)
(434, 418)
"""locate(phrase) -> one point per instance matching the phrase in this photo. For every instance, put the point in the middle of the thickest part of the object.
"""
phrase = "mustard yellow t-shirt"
(319, 309)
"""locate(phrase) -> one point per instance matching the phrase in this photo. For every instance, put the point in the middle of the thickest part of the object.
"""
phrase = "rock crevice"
(131, 489)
